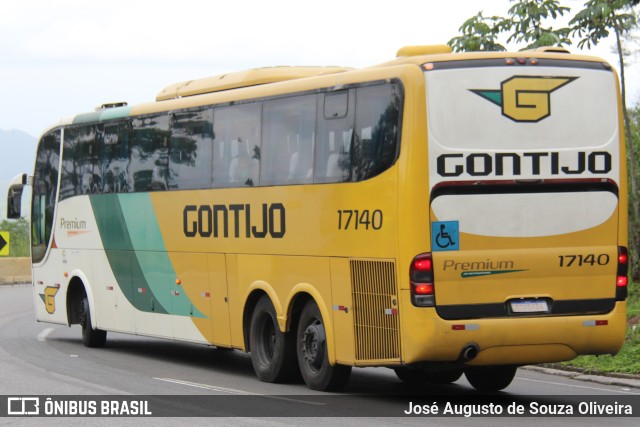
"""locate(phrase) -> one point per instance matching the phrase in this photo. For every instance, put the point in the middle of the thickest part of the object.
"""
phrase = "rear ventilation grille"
(375, 304)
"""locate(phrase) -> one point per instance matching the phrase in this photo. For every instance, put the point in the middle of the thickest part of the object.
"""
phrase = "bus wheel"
(421, 376)
(272, 351)
(93, 338)
(312, 353)
(490, 378)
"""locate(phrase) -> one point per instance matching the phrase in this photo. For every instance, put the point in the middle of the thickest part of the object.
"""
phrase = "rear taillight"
(622, 279)
(421, 278)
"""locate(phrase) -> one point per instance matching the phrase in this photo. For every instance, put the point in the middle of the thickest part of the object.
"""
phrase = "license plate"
(529, 306)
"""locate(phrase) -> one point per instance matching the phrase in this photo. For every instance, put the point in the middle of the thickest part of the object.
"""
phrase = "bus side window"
(191, 150)
(288, 140)
(115, 158)
(148, 168)
(335, 131)
(81, 172)
(237, 145)
(377, 130)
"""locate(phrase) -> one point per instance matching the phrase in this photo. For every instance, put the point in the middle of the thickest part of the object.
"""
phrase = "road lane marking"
(234, 391)
(42, 336)
(579, 386)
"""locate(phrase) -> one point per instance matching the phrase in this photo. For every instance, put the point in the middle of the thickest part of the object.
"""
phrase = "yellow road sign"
(4, 243)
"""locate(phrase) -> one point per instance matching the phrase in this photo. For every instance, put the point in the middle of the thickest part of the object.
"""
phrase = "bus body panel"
(516, 190)
(525, 193)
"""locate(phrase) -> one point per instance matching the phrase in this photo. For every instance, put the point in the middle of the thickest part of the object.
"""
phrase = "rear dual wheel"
(273, 352)
(313, 358)
(490, 378)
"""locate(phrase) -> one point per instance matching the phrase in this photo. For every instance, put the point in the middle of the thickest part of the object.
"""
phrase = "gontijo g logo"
(525, 98)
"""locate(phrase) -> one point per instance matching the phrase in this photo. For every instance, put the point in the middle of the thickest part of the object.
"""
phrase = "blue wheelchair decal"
(445, 236)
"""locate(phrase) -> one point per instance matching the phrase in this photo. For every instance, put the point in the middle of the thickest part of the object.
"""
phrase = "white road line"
(578, 386)
(234, 391)
(42, 336)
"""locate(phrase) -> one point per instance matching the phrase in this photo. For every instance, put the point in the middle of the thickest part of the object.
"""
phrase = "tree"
(525, 24)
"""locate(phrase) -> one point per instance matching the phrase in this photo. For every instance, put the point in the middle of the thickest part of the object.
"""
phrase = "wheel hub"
(313, 345)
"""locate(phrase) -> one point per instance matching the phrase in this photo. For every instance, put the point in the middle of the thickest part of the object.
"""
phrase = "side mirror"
(14, 196)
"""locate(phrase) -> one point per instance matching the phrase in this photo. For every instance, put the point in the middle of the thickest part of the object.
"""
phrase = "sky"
(64, 57)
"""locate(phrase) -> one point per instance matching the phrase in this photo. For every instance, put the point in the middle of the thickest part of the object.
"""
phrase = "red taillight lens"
(423, 288)
(622, 281)
(623, 256)
(421, 279)
(422, 264)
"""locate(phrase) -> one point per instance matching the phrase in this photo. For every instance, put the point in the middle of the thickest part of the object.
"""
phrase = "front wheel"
(93, 338)
(490, 378)
(311, 346)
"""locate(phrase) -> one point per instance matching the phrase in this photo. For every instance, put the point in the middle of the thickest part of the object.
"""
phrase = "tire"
(420, 376)
(93, 338)
(272, 352)
(311, 346)
(490, 378)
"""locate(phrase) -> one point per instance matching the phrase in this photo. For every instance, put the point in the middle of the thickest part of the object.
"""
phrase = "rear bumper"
(428, 338)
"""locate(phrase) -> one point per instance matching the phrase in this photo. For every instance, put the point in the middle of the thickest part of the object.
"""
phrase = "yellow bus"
(438, 214)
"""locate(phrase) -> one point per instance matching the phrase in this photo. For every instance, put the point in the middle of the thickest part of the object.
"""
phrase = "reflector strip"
(142, 290)
(595, 323)
(469, 327)
(175, 293)
(205, 294)
(341, 308)
(109, 288)
(391, 311)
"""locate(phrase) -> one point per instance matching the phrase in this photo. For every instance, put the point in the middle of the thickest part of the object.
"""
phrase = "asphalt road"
(220, 386)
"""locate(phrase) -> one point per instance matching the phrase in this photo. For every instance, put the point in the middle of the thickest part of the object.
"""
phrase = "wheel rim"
(313, 340)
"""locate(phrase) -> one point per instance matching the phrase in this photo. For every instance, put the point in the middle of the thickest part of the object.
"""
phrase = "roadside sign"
(4, 243)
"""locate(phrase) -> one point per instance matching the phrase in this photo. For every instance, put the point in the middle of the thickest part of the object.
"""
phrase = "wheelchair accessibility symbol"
(445, 236)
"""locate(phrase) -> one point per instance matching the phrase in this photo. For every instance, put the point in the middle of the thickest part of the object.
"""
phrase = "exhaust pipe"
(469, 352)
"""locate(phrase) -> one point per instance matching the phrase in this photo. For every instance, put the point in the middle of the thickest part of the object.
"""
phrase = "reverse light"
(421, 279)
(622, 281)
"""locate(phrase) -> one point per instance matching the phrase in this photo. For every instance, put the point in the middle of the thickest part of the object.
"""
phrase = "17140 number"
(583, 260)
(355, 219)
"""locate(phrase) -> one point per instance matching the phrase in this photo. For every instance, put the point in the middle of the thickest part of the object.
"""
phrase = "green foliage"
(529, 22)
(599, 17)
(19, 235)
(628, 359)
(479, 33)
(525, 24)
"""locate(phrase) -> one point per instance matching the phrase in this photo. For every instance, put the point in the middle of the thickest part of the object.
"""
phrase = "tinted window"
(288, 131)
(335, 132)
(148, 166)
(81, 169)
(190, 152)
(45, 184)
(377, 130)
(236, 145)
(115, 157)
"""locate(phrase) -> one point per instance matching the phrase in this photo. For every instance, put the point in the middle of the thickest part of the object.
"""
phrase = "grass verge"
(627, 361)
